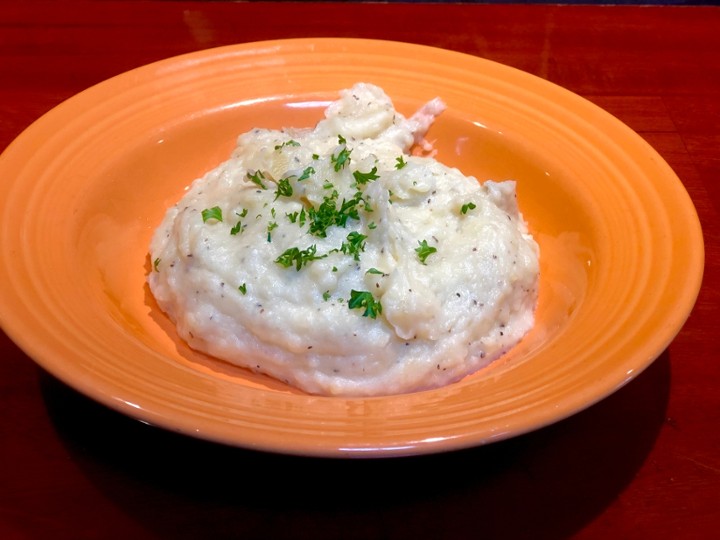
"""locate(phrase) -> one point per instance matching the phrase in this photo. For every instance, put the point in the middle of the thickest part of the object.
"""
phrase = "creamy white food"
(332, 259)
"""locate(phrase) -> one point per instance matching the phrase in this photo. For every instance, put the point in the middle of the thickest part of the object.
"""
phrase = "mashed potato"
(332, 259)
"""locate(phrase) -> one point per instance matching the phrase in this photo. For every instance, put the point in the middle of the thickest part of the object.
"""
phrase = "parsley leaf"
(306, 174)
(257, 178)
(238, 228)
(467, 206)
(271, 226)
(212, 213)
(297, 257)
(243, 288)
(364, 299)
(355, 245)
(363, 178)
(342, 158)
(400, 163)
(284, 188)
(424, 251)
(324, 216)
(287, 143)
(297, 217)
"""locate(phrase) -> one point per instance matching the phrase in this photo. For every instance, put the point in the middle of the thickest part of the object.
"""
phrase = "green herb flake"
(287, 143)
(424, 251)
(156, 264)
(362, 178)
(297, 217)
(307, 172)
(326, 295)
(374, 271)
(257, 178)
(238, 228)
(243, 288)
(467, 206)
(212, 213)
(328, 213)
(271, 227)
(365, 300)
(400, 163)
(284, 189)
(355, 245)
(324, 216)
(297, 257)
(342, 158)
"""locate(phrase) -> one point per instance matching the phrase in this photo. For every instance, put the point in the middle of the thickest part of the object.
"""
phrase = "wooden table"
(644, 463)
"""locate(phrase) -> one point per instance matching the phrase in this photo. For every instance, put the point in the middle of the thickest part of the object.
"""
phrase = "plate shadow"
(545, 484)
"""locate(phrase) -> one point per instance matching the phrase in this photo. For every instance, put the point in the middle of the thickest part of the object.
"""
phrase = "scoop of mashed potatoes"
(334, 260)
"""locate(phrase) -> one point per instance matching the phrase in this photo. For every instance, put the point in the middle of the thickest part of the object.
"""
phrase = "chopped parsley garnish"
(333, 211)
(324, 216)
(328, 214)
(257, 178)
(297, 257)
(284, 189)
(156, 264)
(348, 209)
(306, 174)
(342, 158)
(355, 245)
(237, 228)
(424, 251)
(271, 227)
(297, 217)
(287, 143)
(364, 299)
(467, 206)
(363, 178)
(212, 213)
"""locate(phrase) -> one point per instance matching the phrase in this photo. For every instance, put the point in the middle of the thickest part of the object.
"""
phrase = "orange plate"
(84, 187)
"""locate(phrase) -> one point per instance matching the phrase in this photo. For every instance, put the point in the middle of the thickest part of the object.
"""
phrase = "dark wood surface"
(642, 464)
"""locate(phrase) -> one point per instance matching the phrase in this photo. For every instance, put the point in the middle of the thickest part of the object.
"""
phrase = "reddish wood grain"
(644, 463)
